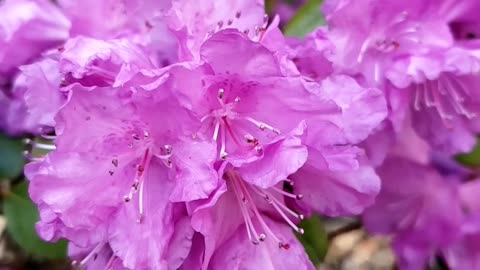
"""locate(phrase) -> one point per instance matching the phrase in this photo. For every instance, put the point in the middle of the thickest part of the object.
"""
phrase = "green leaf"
(471, 159)
(315, 239)
(11, 157)
(21, 216)
(307, 18)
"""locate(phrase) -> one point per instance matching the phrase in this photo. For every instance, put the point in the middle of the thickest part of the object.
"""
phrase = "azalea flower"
(262, 123)
(133, 160)
(419, 53)
(424, 213)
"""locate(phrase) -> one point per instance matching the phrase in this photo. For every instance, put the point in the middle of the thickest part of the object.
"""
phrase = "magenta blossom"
(263, 124)
(27, 29)
(424, 52)
(424, 212)
(25, 32)
(142, 22)
(194, 23)
(43, 87)
(112, 136)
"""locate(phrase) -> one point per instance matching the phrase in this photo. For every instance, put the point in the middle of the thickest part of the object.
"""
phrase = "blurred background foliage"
(330, 243)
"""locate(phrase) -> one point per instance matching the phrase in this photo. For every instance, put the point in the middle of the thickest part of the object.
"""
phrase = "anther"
(237, 99)
(259, 149)
(220, 24)
(140, 170)
(284, 246)
(115, 162)
(221, 92)
(110, 172)
(223, 155)
(301, 231)
(262, 237)
(146, 134)
(246, 31)
(299, 196)
(27, 141)
(229, 22)
(250, 139)
(168, 149)
(238, 14)
(257, 30)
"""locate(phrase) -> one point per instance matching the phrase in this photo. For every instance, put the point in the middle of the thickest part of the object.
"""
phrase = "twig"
(348, 228)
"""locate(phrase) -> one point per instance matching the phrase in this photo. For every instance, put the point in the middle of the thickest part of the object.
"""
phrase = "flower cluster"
(197, 136)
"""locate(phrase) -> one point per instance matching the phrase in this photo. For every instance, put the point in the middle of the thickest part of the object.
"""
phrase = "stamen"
(289, 221)
(265, 20)
(257, 30)
(27, 155)
(215, 132)
(246, 216)
(221, 93)
(250, 139)
(205, 118)
(110, 262)
(92, 254)
(223, 153)
(284, 193)
(168, 149)
(138, 184)
(44, 146)
(48, 137)
(262, 125)
(290, 182)
(140, 204)
(258, 215)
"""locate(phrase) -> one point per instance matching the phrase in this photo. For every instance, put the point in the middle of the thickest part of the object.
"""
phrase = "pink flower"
(426, 50)
(27, 29)
(194, 23)
(263, 124)
(423, 213)
(113, 171)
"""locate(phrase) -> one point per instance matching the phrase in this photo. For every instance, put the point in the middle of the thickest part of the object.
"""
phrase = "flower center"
(243, 193)
(141, 169)
(227, 122)
(395, 32)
